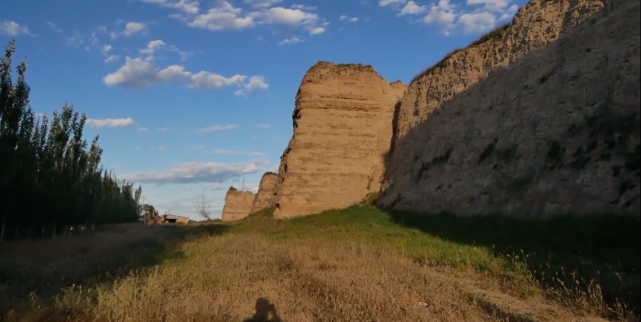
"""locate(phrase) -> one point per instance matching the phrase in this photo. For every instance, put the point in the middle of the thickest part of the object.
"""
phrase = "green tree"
(49, 176)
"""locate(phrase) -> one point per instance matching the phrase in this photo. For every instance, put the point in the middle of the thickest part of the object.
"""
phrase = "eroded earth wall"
(238, 204)
(266, 195)
(537, 119)
(342, 133)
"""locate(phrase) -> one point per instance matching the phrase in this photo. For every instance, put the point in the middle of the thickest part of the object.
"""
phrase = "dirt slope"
(238, 204)
(342, 132)
(266, 195)
(540, 119)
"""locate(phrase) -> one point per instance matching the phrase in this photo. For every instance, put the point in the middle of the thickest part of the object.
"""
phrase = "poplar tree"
(49, 176)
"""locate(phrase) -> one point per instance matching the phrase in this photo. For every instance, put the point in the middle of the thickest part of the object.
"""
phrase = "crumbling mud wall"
(539, 118)
(238, 204)
(266, 195)
(342, 133)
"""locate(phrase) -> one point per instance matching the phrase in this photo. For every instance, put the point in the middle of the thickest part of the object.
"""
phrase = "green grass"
(600, 249)
(582, 262)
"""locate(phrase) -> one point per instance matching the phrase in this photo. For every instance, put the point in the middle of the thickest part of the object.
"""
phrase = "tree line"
(50, 177)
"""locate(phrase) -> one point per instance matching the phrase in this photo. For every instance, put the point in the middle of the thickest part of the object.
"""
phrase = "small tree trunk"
(53, 235)
(2, 233)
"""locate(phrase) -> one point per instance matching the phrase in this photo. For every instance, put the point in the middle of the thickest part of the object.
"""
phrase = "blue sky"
(190, 97)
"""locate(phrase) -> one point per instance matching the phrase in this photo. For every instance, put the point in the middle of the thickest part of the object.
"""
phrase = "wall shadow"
(602, 248)
(48, 268)
(605, 247)
(265, 312)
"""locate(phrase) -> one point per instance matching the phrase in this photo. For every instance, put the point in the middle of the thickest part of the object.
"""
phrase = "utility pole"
(243, 188)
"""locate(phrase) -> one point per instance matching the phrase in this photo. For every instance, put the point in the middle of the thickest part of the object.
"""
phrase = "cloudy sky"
(190, 97)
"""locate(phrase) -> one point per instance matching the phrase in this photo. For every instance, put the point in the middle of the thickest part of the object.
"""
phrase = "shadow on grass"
(265, 312)
(601, 247)
(26, 280)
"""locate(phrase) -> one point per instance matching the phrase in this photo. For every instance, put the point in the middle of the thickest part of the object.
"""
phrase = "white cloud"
(442, 13)
(217, 128)
(75, 40)
(193, 172)
(90, 42)
(491, 5)
(476, 16)
(262, 126)
(98, 123)
(317, 31)
(216, 187)
(509, 13)
(188, 6)
(345, 17)
(255, 83)
(54, 27)
(152, 46)
(12, 28)
(303, 7)
(411, 8)
(143, 129)
(262, 3)
(105, 50)
(133, 27)
(280, 15)
(219, 187)
(163, 129)
(384, 3)
(130, 28)
(111, 58)
(472, 22)
(290, 40)
(140, 73)
(223, 16)
(237, 152)
(156, 45)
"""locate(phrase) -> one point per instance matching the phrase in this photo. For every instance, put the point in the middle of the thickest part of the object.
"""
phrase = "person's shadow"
(265, 312)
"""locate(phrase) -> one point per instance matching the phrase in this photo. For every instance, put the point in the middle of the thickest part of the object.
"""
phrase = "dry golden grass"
(332, 267)
(305, 281)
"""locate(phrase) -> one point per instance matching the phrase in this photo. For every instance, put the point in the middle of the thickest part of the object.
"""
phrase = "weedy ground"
(356, 264)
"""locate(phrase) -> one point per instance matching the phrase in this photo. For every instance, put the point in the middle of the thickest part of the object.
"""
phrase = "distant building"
(173, 219)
